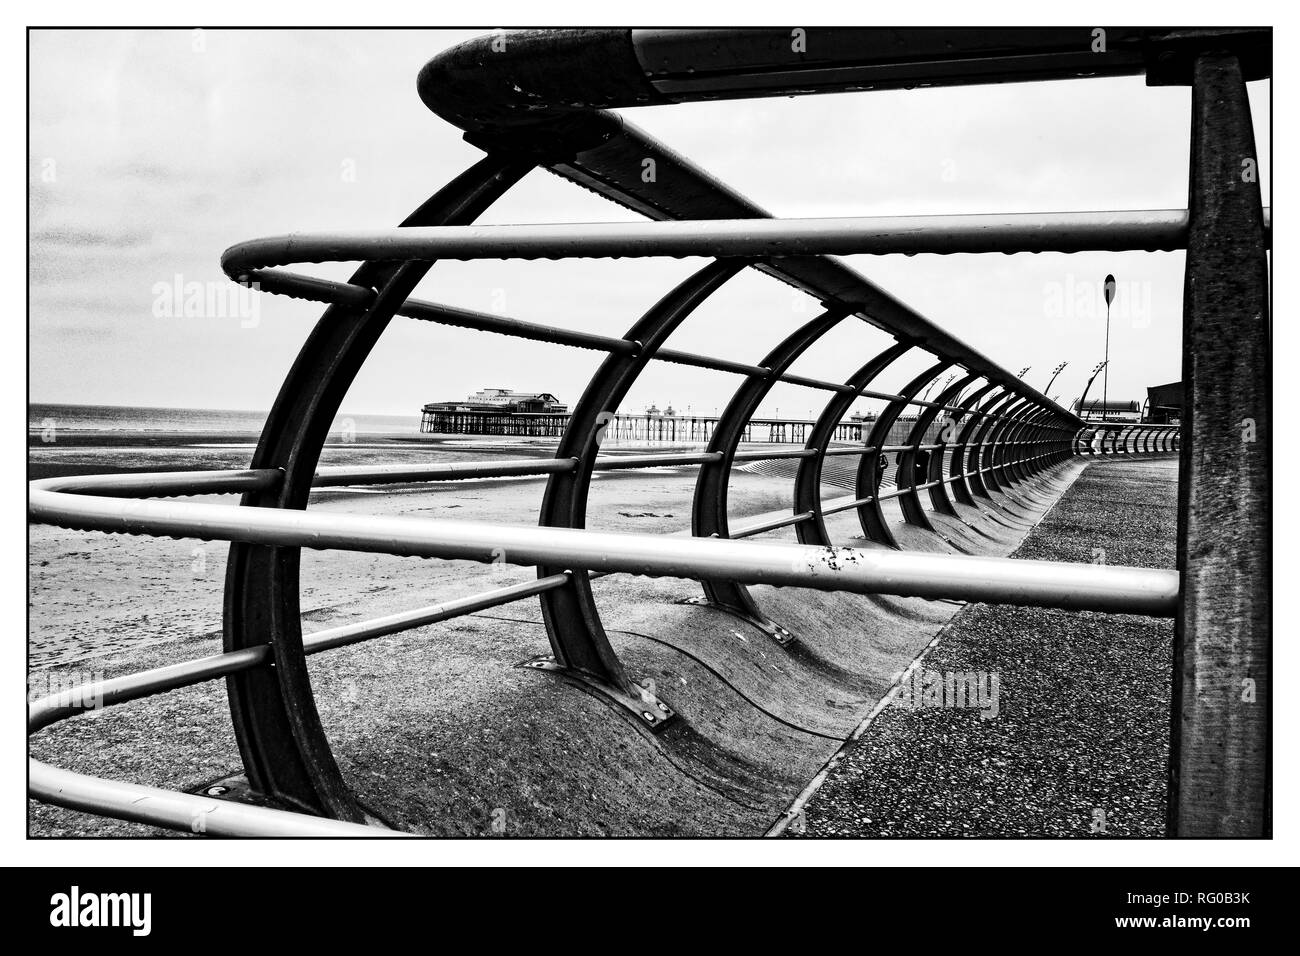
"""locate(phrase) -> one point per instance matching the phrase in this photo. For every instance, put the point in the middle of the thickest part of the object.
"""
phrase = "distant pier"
(629, 427)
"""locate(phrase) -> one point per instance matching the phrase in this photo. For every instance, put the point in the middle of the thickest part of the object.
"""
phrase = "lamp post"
(1055, 372)
(1084, 397)
(1108, 288)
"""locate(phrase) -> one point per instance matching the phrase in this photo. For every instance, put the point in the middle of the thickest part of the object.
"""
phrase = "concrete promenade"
(1076, 742)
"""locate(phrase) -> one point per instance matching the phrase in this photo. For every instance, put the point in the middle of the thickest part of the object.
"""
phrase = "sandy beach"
(149, 591)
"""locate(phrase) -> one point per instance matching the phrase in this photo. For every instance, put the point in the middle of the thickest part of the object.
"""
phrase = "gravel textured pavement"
(1065, 729)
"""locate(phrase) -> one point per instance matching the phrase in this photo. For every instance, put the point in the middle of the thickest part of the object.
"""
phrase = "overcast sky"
(150, 156)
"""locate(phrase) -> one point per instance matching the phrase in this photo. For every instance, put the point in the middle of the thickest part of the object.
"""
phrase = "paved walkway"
(1067, 734)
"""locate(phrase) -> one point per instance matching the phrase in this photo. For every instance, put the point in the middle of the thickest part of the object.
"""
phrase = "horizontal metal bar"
(655, 461)
(502, 325)
(152, 805)
(836, 505)
(182, 811)
(323, 290)
(342, 293)
(1120, 231)
(774, 455)
(333, 476)
(188, 483)
(407, 620)
(1048, 584)
(749, 531)
(327, 291)
(169, 483)
(118, 690)
(221, 818)
(815, 383)
(674, 357)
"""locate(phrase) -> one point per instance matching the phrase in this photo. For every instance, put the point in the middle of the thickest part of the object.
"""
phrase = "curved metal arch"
(910, 501)
(1064, 443)
(1077, 444)
(1017, 467)
(1022, 463)
(957, 467)
(981, 441)
(1111, 436)
(578, 641)
(286, 753)
(1054, 437)
(808, 478)
(709, 505)
(999, 448)
(870, 514)
(1017, 451)
(1093, 446)
(940, 500)
(1037, 453)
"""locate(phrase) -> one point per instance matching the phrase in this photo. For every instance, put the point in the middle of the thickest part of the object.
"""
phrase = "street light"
(1084, 397)
(946, 381)
(1109, 291)
(1055, 372)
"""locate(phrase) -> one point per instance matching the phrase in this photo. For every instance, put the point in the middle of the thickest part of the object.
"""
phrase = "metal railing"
(536, 100)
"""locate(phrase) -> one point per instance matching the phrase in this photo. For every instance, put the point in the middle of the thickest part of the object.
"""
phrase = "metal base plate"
(773, 630)
(647, 709)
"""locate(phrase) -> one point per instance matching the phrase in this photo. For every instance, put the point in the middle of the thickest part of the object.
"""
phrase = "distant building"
(1116, 411)
(1165, 404)
(653, 411)
(503, 400)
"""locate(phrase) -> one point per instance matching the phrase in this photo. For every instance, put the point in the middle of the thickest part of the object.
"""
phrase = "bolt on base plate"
(646, 708)
(776, 632)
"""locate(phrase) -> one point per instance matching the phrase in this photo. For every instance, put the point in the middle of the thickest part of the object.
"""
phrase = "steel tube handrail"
(1048, 584)
(347, 634)
(182, 811)
(748, 531)
(1147, 230)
